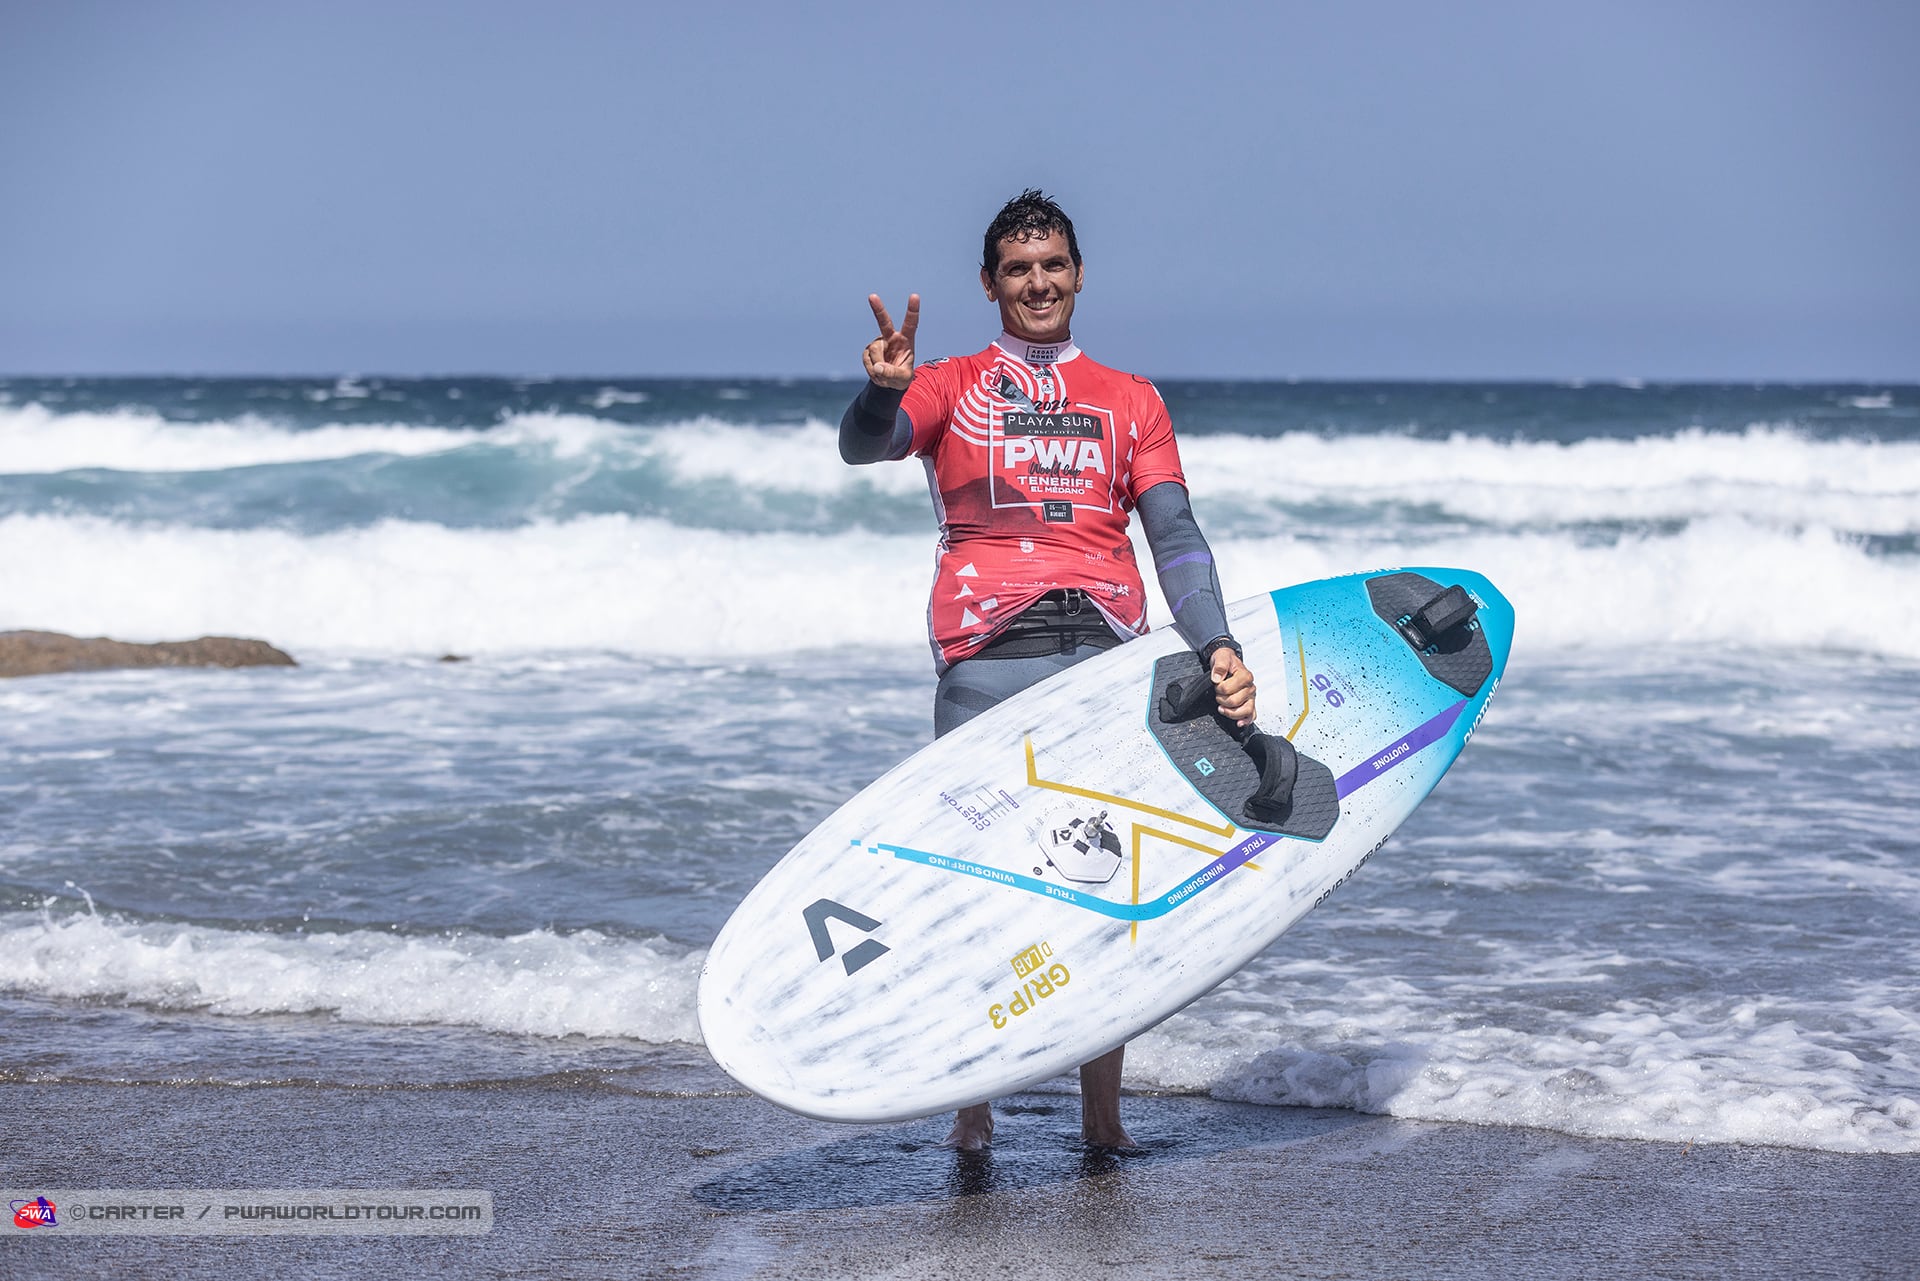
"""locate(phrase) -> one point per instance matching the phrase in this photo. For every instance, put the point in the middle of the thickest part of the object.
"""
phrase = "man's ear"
(986, 283)
(1079, 277)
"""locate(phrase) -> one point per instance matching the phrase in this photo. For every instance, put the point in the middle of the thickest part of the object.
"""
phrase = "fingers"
(1227, 666)
(1233, 688)
(1236, 689)
(889, 358)
(1238, 707)
(907, 326)
(883, 370)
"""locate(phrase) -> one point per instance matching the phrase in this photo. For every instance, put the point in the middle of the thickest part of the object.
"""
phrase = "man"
(1035, 455)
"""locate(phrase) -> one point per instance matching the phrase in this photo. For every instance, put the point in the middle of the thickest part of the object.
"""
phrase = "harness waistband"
(1058, 623)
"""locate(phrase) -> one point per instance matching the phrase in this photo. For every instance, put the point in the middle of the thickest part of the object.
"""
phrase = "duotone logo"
(861, 954)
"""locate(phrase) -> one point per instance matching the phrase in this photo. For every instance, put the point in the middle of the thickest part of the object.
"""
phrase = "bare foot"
(1107, 1136)
(972, 1129)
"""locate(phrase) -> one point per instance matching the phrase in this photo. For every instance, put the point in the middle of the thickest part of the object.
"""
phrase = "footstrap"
(1450, 609)
(1187, 699)
(1279, 766)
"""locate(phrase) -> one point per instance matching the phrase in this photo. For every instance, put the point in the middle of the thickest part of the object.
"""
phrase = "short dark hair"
(1031, 213)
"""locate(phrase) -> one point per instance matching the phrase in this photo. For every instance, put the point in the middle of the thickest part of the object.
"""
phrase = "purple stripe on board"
(1227, 862)
(1399, 750)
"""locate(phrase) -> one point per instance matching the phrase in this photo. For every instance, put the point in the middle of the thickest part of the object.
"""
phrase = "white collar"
(1037, 353)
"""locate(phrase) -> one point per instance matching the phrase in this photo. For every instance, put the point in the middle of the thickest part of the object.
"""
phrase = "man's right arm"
(875, 428)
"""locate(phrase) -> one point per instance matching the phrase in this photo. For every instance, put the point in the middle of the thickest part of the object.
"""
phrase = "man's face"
(1034, 285)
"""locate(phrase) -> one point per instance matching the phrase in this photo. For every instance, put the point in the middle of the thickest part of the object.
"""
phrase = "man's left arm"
(1192, 588)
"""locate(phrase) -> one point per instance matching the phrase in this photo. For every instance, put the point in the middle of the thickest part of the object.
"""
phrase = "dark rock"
(41, 653)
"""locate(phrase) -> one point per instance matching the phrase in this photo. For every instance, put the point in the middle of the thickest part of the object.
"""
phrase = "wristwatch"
(1218, 643)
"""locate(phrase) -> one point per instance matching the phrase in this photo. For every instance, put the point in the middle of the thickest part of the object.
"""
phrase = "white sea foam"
(803, 459)
(1767, 473)
(1716, 582)
(608, 397)
(1686, 1072)
(36, 440)
(539, 983)
(606, 582)
(645, 586)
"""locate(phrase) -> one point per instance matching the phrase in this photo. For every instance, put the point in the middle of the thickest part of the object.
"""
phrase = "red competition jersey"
(1035, 454)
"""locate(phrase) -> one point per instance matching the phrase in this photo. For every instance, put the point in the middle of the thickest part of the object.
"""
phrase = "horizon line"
(1626, 381)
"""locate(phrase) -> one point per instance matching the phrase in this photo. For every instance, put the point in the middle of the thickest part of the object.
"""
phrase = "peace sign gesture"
(889, 358)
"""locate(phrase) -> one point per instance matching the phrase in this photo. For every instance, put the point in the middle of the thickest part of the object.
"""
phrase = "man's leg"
(972, 1128)
(969, 688)
(1100, 1101)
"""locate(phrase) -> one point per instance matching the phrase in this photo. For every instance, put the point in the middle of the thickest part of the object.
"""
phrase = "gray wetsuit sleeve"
(1185, 563)
(875, 428)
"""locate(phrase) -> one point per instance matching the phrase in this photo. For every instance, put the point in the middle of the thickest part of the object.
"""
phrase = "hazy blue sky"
(1533, 189)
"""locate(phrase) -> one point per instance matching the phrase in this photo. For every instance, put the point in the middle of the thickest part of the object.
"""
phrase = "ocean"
(1670, 892)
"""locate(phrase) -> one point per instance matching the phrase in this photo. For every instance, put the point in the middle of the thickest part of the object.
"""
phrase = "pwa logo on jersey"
(1056, 444)
(1044, 456)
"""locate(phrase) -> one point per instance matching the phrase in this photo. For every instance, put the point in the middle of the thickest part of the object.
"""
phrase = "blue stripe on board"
(1402, 749)
(1209, 875)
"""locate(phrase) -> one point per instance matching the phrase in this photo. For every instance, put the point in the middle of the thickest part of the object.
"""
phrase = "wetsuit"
(1035, 454)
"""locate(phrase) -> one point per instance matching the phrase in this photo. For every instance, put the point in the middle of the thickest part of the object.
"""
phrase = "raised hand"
(889, 358)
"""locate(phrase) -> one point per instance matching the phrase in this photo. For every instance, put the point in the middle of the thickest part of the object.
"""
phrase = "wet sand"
(592, 1179)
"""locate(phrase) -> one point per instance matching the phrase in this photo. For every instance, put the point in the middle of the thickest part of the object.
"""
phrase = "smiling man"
(1036, 455)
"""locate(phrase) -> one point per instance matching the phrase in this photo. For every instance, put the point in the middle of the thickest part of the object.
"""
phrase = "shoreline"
(606, 1182)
